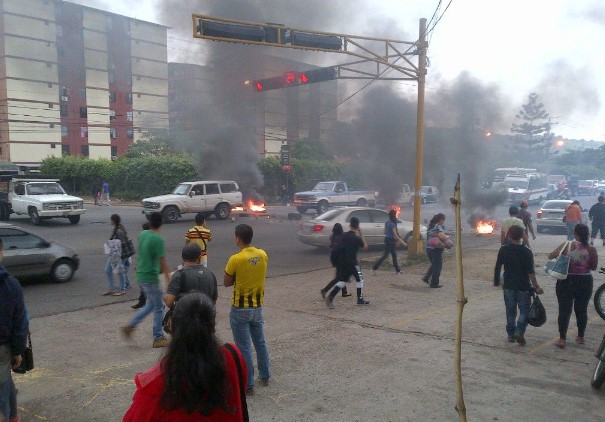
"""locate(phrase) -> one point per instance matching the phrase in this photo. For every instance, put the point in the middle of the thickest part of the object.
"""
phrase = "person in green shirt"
(151, 262)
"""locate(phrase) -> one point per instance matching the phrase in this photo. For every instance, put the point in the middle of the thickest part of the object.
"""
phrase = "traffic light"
(308, 39)
(293, 78)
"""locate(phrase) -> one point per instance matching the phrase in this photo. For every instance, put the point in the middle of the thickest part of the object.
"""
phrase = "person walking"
(105, 200)
(348, 264)
(512, 220)
(198, 379)
(573, 216)
(525, 216)
(335, 256)
(117, 262)
(14, 327)
(201, 235)
(95, 193)
(436, 229)
(246, 272)
(575, 291)
(596, 214)
(151, 262)
(391, 238)
(141, 301)
(193, 276)
(518, 263)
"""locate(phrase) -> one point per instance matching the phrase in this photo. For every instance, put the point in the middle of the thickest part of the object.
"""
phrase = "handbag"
(436, 243)
(127, 249)
(27, 358)
(559, 266)
(537, 313)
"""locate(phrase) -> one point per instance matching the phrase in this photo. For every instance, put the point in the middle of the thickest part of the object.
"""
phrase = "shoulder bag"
(559, 266)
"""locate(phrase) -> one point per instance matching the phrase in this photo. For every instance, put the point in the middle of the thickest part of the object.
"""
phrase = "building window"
(63, 91)
(112, 96)
(53, 146)
(83, 112)
(114, 151)
(63, 108)
(138, 78)
(130, 133)
(50, 105)
(65, 150)
(84, 132)
(51, 125)
(139, 95)
(112, 114)
(129, 98)
(82, 92)
(50, 85)
(113, 132)
(112, 77)
(64, 131)
(49, 65)
(84, 150)
(129, 116)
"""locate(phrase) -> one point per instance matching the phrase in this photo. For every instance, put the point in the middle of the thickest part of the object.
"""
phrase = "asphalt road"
(276, 235)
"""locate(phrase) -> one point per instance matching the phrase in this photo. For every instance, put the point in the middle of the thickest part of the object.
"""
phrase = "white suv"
(216, 197)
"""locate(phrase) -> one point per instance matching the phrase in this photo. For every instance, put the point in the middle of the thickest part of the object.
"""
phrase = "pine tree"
(533, 131)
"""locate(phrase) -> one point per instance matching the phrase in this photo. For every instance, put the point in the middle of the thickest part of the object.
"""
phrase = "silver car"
(317, 231)
(550, 215)
(28, 255)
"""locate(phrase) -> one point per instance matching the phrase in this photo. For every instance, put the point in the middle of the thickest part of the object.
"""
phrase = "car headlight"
(80, 205)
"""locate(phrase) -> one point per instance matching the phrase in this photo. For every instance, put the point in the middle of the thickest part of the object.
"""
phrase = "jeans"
(574, 293)
(512, 300)
(434, 272)
(597, 227)
(389, 248)
(153, 294)
(123, 275)
(246, 324)
(570, 225)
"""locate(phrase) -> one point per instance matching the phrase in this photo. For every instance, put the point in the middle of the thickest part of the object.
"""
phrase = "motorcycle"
(598, 376)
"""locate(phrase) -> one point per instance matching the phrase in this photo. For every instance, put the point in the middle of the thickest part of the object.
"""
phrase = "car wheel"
(74, 219)
(62, 271)
(222, 211)
(170, 214)
(362, 202)
(34, 216)
(322, 207)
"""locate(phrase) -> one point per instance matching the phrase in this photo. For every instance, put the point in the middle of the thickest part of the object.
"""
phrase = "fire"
(485, 227)
(397, 209)
(237, 209)
(256, 207)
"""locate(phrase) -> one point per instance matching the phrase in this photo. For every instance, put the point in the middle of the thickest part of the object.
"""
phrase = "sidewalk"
(389, 361)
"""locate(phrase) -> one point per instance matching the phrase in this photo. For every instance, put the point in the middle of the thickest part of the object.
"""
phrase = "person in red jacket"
(198, 380)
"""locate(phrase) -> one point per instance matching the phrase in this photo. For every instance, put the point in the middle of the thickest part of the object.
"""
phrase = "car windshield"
(517, 184)
(556, 205)
(182, 189)
(324, 187)
(329, 215)
(44, 189)
(427, 189)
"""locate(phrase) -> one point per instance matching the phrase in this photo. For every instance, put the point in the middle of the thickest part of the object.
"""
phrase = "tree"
(154, 144)
(533, 131)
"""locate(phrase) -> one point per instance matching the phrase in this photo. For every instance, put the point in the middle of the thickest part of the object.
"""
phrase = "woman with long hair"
(391, 238)
(575, 291)
(198, 379)
(435, 229)
(115, 263)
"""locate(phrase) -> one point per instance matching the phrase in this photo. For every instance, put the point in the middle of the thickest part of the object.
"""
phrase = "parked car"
(586, 187)
(27, 255)
(427, 194)
(601, 186)
(550, 215)
(317, 231)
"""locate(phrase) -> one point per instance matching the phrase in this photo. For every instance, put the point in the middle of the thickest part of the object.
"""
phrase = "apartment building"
(75, 80)
(200, 98)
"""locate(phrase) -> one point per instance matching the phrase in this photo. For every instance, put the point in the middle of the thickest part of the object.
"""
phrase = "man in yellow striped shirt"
(200, 235)
(246, 272)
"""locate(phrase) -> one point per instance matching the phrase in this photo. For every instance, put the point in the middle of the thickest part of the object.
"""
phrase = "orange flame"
(237, 209)
(256, 207)
(397, 209)
(485, 227)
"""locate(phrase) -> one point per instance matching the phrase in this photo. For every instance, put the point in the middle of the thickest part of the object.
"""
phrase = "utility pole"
(416, 247)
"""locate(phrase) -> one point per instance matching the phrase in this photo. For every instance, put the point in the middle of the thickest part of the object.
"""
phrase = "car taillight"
(317, 227)
(539, 214)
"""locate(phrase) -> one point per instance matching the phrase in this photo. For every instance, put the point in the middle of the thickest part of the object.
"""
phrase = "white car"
(317, 232)
(601, 186)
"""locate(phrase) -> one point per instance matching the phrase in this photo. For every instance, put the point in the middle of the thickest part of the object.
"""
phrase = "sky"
(549, 47)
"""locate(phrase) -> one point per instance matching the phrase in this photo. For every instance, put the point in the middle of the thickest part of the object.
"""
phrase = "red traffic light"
(290, 77)
(303, 78)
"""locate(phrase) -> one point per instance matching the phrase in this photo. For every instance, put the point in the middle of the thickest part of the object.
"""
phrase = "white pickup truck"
(40, 199)
(332, 194)
(209, 197)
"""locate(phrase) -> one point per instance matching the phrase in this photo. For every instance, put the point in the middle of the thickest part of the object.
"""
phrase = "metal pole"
(416, 246)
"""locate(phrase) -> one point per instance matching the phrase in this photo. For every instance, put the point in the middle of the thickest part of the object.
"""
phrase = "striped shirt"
(249, 268)
(200, 235)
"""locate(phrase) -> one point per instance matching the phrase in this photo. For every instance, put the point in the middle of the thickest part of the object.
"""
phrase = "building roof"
(112, 13)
